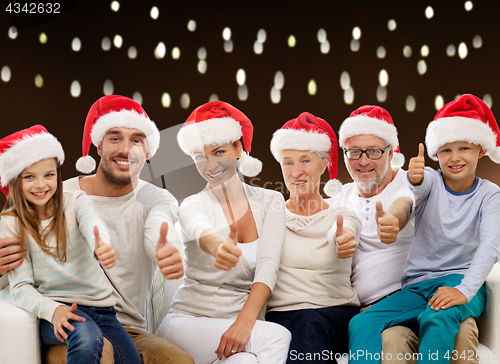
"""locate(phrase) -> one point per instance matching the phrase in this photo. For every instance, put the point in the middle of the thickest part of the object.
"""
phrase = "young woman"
(59, 280)
(313, 297)
(233, 235)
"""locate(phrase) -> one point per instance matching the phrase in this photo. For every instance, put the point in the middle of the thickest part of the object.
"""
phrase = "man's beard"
(371, 186)
(112, 179)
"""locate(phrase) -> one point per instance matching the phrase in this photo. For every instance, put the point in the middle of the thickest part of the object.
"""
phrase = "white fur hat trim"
(299, 140)
(27, 151)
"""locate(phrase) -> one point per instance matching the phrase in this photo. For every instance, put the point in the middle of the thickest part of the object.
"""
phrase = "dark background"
(22, 104)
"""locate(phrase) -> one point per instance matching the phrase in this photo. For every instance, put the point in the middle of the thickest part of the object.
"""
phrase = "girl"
(60, 233)
(233, 234)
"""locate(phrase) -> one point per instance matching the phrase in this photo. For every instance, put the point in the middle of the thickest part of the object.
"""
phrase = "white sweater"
(41, 279)
(134, 222)
(211, 292)
(311, 275)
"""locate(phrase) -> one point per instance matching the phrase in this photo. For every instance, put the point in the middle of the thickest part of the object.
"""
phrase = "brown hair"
(28, 221)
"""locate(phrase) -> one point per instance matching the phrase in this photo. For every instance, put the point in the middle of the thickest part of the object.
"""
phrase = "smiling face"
(458, 161)
(39, 184)
(302, 171)
(217, 163)
(123, 153)
(370, 175)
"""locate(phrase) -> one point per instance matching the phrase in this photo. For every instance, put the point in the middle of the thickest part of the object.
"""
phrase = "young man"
(139, 216)
(456, 240)
(381, 198)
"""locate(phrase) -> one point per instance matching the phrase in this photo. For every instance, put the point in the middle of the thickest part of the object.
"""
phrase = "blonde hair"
(28, 221)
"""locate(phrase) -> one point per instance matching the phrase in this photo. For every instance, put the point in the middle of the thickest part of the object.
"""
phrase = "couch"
(20, 344)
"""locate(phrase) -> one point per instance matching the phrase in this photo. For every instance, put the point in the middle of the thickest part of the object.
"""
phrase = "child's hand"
(104, 252)
(416, 166)
(344, 240)
(228, 253)
(168, 257)
(387, 225)
(447, 297)
(60, 320)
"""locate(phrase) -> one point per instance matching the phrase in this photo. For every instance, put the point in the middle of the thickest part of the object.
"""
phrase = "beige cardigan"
(311, 275)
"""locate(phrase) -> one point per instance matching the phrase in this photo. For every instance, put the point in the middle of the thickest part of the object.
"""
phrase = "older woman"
(233, 235)
(313, 297)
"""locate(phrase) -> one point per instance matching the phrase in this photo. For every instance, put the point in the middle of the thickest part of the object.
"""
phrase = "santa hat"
(217, 123)
(466, 119)
(308, 132)
(111, 112)
(20, 150)
(372, 120)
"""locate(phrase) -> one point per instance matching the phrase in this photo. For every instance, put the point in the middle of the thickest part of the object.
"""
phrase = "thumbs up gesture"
(387, 225)
(416, 166)
(228, 253)
(344, 240)
(104, 252)
(168, 257)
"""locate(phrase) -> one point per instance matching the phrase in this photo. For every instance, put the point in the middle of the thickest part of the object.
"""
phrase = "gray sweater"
(455, 232)
(134, 222)
(208, 291)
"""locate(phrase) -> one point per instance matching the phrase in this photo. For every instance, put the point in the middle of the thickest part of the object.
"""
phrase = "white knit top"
(211, 292)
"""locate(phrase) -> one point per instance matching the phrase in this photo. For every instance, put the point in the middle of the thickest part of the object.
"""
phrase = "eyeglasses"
(355, 154)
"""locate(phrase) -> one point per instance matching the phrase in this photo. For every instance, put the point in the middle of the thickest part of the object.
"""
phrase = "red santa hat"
(20, 150)
(111, 112)
(466, 119)
(217, 123)
(308, 132)
(372, 120)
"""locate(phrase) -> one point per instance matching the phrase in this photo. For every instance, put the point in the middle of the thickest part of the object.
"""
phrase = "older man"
(381, 198)
(140, 218)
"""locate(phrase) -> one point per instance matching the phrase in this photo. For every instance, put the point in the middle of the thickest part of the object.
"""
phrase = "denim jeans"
(85, 342)
(318, 334)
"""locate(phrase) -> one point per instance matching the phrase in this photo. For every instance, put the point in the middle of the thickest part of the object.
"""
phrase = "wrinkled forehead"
(365, 141)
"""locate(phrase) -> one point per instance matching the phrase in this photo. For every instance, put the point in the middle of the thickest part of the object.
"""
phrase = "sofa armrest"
(489, 321)
(19, 337)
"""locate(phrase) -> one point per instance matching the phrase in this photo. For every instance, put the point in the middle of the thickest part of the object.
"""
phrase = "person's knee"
(266, 332)
(466, 342)
(441, 318)
(399, 344)
(85, 335)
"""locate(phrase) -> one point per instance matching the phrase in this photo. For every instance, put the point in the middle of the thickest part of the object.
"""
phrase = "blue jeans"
(85, 342)
(318, 334)
(437, 328)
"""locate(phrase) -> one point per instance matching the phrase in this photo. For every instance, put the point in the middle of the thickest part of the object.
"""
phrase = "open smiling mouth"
(40, 194)
(215, 175)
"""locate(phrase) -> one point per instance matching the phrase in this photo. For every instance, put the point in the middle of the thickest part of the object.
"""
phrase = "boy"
(456, 238)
